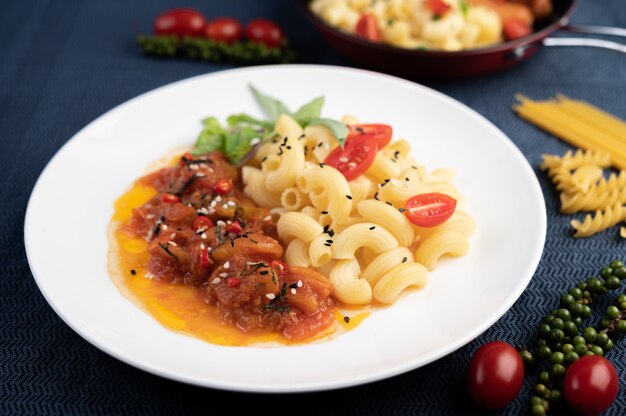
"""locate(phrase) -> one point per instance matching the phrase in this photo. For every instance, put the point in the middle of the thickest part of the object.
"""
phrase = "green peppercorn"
(612, 312)
(605, 322)
(597, 350)
(554, 396)
(544, 352)
(608, 346)
(582, 286)
(578, 340)
(622, 306)
(594, 285)
(586, 311)
(541, 341)
(570, 357)
(578, 321)
(621, 299)
(527, 357)
(548, 319)
(615, 264)
(602, 339)
(557, 357)
(606, 272)
(558, 370)
(557, 323)
(536, 400)
(612, 282)
(541, 390)
(570, 328)
(589, 333)
(580, 349)
(589, 353)
(576, 309)
(620, 272)
(544, 330)
(567, 300)
(621, 326)
(564, 314)
(567, 348)
(538, 410)
(544, 377)
(557, 335)
(576, 292)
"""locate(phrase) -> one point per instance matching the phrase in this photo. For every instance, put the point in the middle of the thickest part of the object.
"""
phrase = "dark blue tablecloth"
(63, 63)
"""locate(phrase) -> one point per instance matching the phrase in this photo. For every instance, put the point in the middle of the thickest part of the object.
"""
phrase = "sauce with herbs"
(195, 252)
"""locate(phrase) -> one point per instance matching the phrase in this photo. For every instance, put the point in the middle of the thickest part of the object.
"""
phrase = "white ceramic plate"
(72, 203)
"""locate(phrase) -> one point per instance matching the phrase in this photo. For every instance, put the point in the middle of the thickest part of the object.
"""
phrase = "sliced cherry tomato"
(367, 27)
(355, 158)
(280, 267)
(224, 29)
(170, 198)
(438, 7)
(223, 186)
(181, 22)
(495, 375)
(232, 282)
(205, 260)
(266, 32)
(590, 385)
(379, 132)
(515, 29)
(202, 223)
(429, 210)
(234, 228)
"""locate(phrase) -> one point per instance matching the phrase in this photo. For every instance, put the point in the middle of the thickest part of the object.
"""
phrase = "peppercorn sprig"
(168, 46)
(559, 342)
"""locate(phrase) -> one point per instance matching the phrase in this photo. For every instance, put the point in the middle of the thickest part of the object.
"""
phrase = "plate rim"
(243, 386)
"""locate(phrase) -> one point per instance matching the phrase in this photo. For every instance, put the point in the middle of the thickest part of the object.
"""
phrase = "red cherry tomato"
(223, 186)
(355, 158)
(234, 228)
(590, 385)
(438, 7)
(202, 222)
(514, 29)
(367, 27)
(170, 198)
(429, 210)
(379, 132)
(224, 29)
(264, 31)
(495, 375)
(181, 22)
(280, 267)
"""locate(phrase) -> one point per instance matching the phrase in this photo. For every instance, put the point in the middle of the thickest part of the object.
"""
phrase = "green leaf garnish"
(271, 106)
(309, 110)
(464, 7)
(211, 137)
(237, 142)
(339, 130)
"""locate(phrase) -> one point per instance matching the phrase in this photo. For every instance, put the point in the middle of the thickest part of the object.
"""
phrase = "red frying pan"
(441, 64)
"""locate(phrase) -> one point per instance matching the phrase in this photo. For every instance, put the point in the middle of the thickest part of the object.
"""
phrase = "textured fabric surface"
(63, 63)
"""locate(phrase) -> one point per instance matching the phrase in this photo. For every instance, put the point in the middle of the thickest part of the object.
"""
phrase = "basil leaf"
(464, 7)
(245, 120)
(237, 143)
(337, 128)
(310, 110)
(211, 137)
(272, 107)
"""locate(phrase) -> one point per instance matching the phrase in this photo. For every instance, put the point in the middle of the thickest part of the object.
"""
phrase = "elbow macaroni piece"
(444, 243)
(297, 253)
(347, 286)
(297, 225)
(381, 213)
(373, 236)
(399, 278)
(384, 262)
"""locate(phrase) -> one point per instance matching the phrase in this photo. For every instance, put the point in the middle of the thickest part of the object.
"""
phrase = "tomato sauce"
(219, 277)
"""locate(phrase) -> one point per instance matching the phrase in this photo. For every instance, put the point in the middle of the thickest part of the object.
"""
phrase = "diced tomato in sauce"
(295, 302)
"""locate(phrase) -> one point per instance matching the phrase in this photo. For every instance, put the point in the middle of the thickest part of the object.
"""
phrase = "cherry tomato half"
(590, 385)
(264, 31)
(224, 29)
(223, 186)
(355, 158)
(514, 29)
(495, 375)
(379, 132)
(438, 7)
(429, 210)
(201, 222)
(181, 22)
(367, 27)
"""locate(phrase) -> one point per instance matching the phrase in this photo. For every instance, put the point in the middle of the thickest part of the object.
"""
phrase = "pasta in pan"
(355, 227)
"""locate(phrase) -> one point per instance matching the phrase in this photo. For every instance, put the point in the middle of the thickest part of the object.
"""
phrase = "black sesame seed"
(401, 209)
(346, 319)
(264, 159)
(348, 196)
(263, 272)
(372, 227)
(327, 245)
(404, 260)
(321, 165)
(288, 147)
(324, 212)
(320, 144)
(389, 203)
(133, 272)
(329, 241)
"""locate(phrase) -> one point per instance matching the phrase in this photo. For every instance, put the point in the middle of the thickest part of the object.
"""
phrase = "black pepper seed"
(346, 319)
(348, 196)
(324, 212)
(372, 227)
(404, 260)
(133, 272)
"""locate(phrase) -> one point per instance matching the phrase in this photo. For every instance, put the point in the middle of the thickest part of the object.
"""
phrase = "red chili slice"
(429, 210)
(205, 261)
(235, 228)
(170, 198)
(223, 187)
(367, 27)
(185, 158)
(202, 222)
(379, 132)
(515, 29)
(438, 7)
(232, 282)
(355, 158)
(280, 267)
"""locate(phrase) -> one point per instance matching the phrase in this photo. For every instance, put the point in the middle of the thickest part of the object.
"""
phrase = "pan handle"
(597, 30)
(593, 43)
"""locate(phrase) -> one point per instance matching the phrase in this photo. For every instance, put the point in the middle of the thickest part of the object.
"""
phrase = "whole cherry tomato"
(181, 22)
(355, 158)
(590, 385)
(367, 27)
(514, 29)
(495, 375)
(379, 132)
(264, 31)
(429, 210)
(224, 29)
(438, 7)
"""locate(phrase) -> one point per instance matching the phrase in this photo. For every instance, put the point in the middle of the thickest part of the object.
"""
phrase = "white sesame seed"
(171, 243)
(202, 246)
(149, 276)
(172, 236)
(211, 211)
(203, 211)
(293, 291)
(150, 216)
(232, 203)
(164, 226)
(366, 148)
(221, 223)
(227, 265)
(218, 199)
(255, 141)
(351, 165)
(225, 206)
(268, 218)
(213, 204)
(224, 274)
(270, 296)
(200, 175)
(343, 159)
(203, 236)
(326, 146)
(299, 283)
(216, 280)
